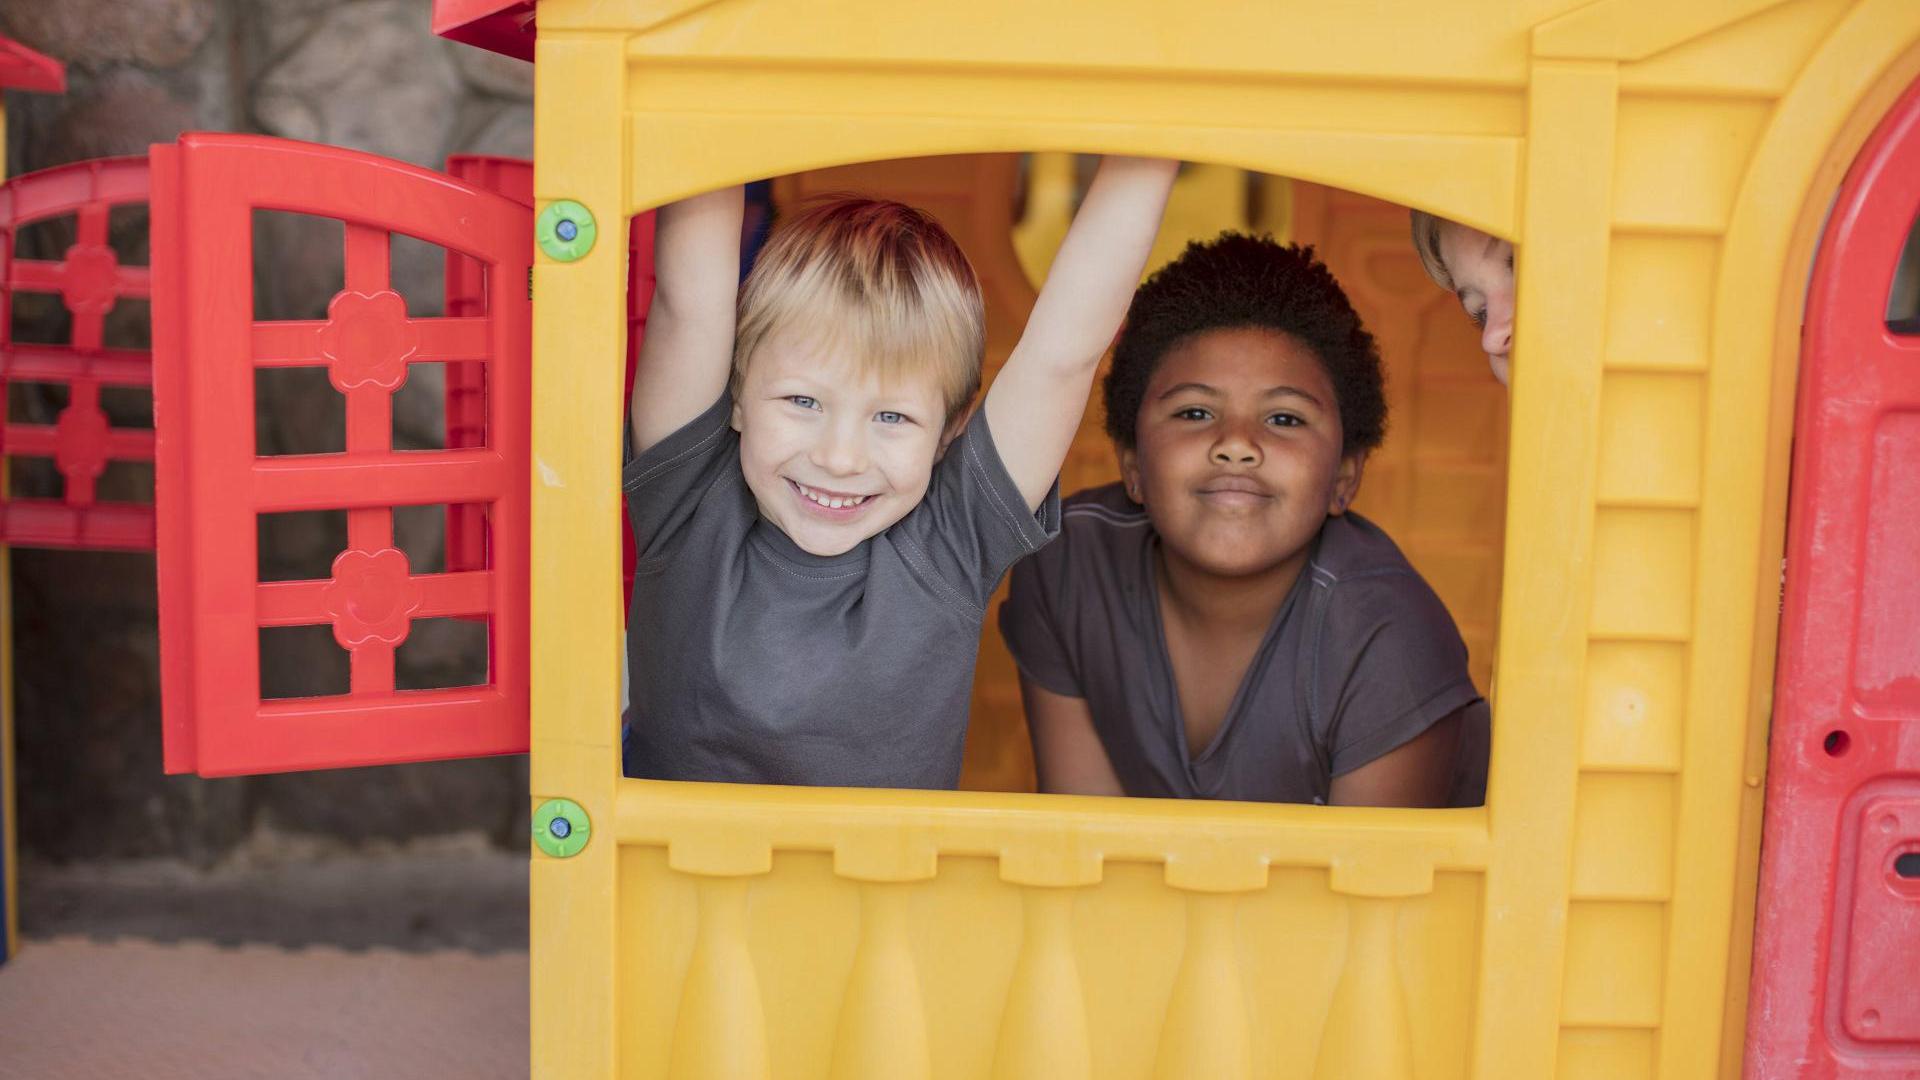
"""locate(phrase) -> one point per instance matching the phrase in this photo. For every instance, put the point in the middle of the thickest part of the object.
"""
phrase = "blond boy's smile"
(834, 505)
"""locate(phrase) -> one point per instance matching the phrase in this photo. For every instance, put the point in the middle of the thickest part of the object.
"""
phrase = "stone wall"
(366, 74)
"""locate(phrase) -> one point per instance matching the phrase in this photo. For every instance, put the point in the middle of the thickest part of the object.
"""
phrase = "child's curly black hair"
(1234, 281)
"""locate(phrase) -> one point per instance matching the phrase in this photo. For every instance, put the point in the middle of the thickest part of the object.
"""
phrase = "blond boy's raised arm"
(687, 353)
(1035, 404)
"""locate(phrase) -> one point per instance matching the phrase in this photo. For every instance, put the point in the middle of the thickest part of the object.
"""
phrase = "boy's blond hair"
(1426, 241)
(879, 280)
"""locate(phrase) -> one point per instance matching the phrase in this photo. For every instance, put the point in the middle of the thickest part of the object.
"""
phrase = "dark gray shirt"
(1361, 657)
(755, 662)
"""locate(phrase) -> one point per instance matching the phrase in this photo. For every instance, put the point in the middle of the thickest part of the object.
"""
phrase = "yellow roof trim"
(1637, 29)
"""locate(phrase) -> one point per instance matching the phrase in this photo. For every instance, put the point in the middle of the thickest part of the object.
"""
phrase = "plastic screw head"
(565, 230)
(561, 828)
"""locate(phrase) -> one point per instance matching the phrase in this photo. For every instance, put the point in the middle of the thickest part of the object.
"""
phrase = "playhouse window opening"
(127, 406)
(299, 545)
(297, 288)
(125, 481)
(47, 238)
(419, 272)
(36, 402)
(34, 478)
(297, 410)
(302, 662)
(128, 232)
(442, 654)
(129, 325)
(420, 420)
(1903, 301)
(40, 319)
(1437, 485)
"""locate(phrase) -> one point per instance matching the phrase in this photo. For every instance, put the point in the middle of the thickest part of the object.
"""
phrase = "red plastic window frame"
(90, 280)
(213, 486)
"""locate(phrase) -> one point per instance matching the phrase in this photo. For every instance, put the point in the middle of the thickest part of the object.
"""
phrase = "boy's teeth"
(831, 502)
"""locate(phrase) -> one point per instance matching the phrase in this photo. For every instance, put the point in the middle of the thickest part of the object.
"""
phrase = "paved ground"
(288, 961)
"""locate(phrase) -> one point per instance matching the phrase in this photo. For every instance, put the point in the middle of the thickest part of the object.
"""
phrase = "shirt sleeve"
(1030, 626)
(974, 524)
(1389, 666)
(665, 483)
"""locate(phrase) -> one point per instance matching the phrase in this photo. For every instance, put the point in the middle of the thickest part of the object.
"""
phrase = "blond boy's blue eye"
(890, 417)
(803, 401)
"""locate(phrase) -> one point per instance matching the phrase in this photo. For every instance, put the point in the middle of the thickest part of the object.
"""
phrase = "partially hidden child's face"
(833, 454)
(1237, 454)
(1482, 270)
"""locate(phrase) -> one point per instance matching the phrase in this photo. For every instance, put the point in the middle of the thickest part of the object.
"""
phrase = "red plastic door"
(90, 282)
(213, 485)
(1836, 970)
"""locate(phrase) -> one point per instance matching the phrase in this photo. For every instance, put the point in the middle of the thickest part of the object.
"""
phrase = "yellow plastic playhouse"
(1609, 536)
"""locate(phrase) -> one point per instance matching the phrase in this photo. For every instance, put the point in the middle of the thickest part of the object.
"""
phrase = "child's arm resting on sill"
(687, 354)
(1067, 752)
(1035, 404)
(1419, 772)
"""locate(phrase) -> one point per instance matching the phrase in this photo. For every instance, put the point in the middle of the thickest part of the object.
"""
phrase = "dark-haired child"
(1219, 624)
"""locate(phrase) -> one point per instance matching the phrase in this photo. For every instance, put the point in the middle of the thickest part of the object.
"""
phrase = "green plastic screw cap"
(565, 230)
(561, 828)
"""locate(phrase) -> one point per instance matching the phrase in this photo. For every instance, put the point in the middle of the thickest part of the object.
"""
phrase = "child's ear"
(954, 427)
(736, 414)
(1130, 475)
(1346, 483)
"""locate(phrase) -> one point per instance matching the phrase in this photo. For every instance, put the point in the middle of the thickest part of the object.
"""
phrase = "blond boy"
(820, 517)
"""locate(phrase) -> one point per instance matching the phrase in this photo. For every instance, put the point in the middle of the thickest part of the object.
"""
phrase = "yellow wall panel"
(1614, 964)
(1661, 301)
(1650, 432)
(1636, 705)
(1643, 573)
(1681, 161)
(1758, 55)
(1606, 1054)
(1648, 160)
(1623, 837)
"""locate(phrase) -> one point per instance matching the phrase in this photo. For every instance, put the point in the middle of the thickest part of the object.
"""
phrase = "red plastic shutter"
(22, 68)
(212, 487)
(1836, 971)
(466, 394)
(90, 281)
(502, 26)
(640, 281)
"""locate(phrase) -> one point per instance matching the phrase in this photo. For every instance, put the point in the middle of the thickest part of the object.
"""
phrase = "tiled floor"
(287, 961)
(98, 1010)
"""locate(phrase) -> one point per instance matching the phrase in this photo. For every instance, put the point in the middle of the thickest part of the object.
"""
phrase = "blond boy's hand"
(1035, 404)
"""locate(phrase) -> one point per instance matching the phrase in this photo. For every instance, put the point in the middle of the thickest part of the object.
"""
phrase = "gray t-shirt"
(1361, 657)
(753, 661)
